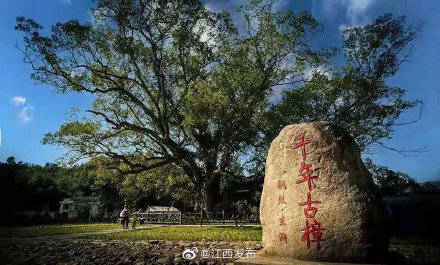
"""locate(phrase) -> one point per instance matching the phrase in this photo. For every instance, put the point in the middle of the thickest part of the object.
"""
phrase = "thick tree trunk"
(211, 194)
(207, 185)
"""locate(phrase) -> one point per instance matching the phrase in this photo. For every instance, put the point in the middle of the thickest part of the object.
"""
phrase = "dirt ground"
(84, 251)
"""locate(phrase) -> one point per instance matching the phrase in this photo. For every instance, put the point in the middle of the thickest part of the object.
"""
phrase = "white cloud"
(26, 114)
(277, 92)
(18, 101)
(308, 73)
(355, 10)
(26, 111)
(66, 2)
(280, 5)
(343, 27)
(205, 30)
(231, 5)
(238, 18)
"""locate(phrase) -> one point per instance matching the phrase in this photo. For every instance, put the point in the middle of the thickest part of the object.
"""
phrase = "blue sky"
(27, 110)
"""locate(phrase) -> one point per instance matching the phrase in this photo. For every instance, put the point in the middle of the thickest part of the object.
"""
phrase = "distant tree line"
(395, 183)
(30, 187)
(25, 186)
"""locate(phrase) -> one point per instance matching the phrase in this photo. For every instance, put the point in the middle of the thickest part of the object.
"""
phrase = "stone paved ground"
(83, 251)
(69, 251)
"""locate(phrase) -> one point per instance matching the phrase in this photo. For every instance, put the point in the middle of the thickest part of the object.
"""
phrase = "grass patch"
(48, 230)
(417, 250)
(418, 254)
(415, 240)
(187, 233)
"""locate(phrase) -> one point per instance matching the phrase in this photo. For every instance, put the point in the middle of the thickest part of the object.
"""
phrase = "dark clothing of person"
(126, 221)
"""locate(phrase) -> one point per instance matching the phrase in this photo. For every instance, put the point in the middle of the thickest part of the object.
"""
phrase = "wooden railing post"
(180, 218)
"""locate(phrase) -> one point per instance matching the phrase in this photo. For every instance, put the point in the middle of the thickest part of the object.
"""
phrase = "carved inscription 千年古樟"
(313, 230)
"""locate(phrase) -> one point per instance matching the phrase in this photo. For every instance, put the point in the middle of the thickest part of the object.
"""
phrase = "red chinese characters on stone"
(281, 184)
(302, 144)
(309, 211)
(283, 237)
(281, 200)
(306, 173)
(315, 230)
(282, 221)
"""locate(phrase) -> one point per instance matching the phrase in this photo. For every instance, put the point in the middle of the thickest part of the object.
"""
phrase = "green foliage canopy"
(177, 84)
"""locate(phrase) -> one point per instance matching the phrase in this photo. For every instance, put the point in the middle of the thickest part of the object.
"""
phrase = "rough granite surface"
(351, 216)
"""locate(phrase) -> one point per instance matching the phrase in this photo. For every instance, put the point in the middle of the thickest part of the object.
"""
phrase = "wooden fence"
(201, 218)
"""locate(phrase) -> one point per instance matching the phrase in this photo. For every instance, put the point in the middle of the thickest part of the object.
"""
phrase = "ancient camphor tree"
(175, 83)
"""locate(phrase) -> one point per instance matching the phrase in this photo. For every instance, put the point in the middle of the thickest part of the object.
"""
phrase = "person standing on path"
(134, 220)
(125, 217)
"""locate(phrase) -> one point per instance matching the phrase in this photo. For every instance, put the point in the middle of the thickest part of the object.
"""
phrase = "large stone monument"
(319, 201)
